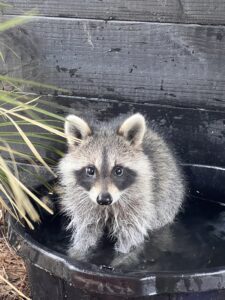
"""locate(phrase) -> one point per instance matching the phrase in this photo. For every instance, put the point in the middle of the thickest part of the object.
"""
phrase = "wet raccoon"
(121, 175)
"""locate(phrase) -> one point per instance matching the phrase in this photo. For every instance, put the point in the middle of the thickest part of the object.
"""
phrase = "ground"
(12, 269)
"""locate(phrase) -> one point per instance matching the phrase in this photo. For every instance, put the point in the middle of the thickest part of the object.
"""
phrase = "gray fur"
(151, 201)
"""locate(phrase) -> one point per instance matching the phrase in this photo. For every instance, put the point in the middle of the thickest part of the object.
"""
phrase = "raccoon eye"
(90, 171)
(118, 171)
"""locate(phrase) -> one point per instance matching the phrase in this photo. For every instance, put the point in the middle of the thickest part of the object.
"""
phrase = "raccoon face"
(105, 185)
(104, 162)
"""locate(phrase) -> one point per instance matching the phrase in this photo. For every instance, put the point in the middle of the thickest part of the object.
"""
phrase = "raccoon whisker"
(81, 201)
(128, 202)
(133, 208)
(124, 199)
(81, 195)
(78, 207)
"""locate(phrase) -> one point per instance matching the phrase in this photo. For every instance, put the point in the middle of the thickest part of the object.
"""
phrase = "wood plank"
(197, 135)
(140, 62)
(181, 11)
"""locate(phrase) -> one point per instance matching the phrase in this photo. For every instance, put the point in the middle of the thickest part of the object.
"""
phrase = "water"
(194, 242)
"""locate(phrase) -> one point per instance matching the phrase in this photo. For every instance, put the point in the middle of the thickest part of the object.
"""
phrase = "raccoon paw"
(77, 253)
(81, 253)
(119, 260)
(125, 260)
(124, 247)
(124, 242)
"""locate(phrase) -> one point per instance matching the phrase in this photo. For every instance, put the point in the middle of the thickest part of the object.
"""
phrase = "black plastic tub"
(185, 260)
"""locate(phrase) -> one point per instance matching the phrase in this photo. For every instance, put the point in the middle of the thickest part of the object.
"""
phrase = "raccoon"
(121, 175)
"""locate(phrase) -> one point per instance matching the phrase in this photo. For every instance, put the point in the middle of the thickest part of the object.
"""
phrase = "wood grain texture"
(179, 11)
(139, 62)
(197, 135)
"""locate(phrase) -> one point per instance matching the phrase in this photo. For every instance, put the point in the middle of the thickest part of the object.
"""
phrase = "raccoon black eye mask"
(120, 174)
(121, 177)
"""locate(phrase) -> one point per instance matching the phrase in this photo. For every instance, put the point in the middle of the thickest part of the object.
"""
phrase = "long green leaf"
(25, 106)
(32, 83)
(30, 145)
(15, 22)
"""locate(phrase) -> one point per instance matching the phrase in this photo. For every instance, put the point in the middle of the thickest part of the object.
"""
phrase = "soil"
(12, 268)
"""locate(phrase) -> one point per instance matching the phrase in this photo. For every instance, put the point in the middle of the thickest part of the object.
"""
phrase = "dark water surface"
(195, 241)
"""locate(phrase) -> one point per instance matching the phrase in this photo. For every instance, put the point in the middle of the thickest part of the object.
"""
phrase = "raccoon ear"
(133, 129)
(76, 128)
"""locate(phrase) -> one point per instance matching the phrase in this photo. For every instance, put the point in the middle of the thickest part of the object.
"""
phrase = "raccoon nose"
(104, 199)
